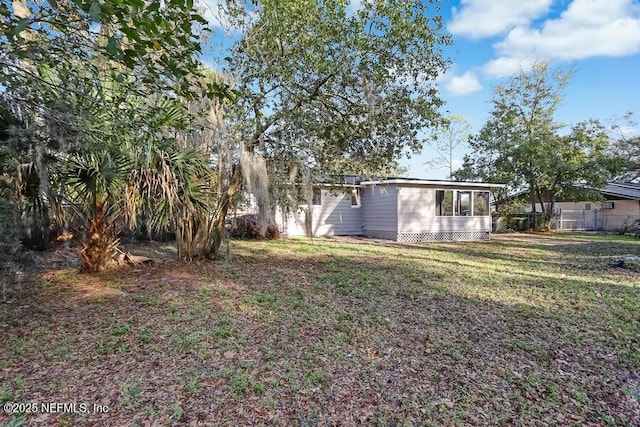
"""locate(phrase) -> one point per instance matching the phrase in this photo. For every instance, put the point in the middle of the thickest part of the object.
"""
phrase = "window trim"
(459, 194)
(488, 205)
(356, 194)
(457, 203)
(438, 206)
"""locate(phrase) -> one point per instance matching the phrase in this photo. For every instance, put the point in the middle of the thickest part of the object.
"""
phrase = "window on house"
(587, 206)
(444, 203)
(355, 198)
(316, 198)
(480, 203)
(464, 203)
(607, 205)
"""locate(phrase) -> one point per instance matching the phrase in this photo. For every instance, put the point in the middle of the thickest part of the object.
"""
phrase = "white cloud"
(353, 7)
(626, 131)
(456, 164)
(506, 66)
(486, 18)
(586, 28)
(217, 13)
(445, 77)
(212, 11)
(465, 84)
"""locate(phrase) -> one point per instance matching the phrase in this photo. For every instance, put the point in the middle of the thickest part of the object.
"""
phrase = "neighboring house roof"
(622, 190)
(418, 181)
(612, 191)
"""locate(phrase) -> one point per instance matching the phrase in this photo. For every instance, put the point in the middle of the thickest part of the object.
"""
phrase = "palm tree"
(173, 187)
(96, 182)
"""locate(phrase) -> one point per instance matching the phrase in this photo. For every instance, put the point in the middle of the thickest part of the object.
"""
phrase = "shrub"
(626, 228)
(248, 227)
(10, 245)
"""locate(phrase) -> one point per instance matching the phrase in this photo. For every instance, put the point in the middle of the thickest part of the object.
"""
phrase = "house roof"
(623, 190)
(613, 190)
(444, 183)
(358, 180)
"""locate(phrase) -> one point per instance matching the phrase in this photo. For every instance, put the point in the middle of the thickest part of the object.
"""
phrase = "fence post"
(560, 225)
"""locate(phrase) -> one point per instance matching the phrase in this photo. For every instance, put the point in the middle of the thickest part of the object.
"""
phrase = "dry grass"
(524, 330)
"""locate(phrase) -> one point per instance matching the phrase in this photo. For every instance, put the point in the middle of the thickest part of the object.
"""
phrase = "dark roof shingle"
(625, 190)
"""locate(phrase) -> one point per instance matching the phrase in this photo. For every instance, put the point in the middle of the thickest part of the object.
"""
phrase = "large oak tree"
(329, 90)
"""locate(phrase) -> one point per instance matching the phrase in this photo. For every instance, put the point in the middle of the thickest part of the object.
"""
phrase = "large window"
(480, 203)
(444, 203)
(464, 203)
(467, 203)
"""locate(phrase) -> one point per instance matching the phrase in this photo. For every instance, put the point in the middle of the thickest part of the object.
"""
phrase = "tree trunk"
(99, 245)
(549, 215)
(534, 212)
(546, 211)
(220, 215)
(42, 210)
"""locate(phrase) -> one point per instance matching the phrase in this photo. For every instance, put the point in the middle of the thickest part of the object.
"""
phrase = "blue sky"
(493, 39)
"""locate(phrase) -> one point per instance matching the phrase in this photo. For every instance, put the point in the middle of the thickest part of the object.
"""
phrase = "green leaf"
(199, 18)
(112, 46)
(95, 11)
(136, 5)
(131, 33)
(22, 24)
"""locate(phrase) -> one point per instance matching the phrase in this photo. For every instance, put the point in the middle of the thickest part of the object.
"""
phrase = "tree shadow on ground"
(331, 336)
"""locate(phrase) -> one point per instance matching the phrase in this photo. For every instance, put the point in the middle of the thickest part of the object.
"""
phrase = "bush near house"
(248, 227)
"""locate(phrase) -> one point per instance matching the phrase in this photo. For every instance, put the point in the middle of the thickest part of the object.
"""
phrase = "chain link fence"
(595, 220)
(598, 220)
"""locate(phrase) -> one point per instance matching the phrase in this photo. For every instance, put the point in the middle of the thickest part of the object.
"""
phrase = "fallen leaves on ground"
(525, 330)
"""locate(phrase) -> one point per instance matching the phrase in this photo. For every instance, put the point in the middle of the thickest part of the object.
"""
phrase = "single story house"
(617, 207)
(398, 209)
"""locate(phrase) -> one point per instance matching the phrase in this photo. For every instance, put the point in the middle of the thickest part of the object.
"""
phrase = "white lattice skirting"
(439, 236)
(443, 236)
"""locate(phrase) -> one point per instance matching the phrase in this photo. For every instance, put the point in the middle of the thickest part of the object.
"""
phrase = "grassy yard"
(522, 330)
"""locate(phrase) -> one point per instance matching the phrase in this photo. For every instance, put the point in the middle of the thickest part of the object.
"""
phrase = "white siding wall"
(449, 224)
(335, 216)
(380, 211)
(387, 211)
(416, 207)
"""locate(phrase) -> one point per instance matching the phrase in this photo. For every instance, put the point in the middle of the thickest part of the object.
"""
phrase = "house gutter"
(433, 182)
